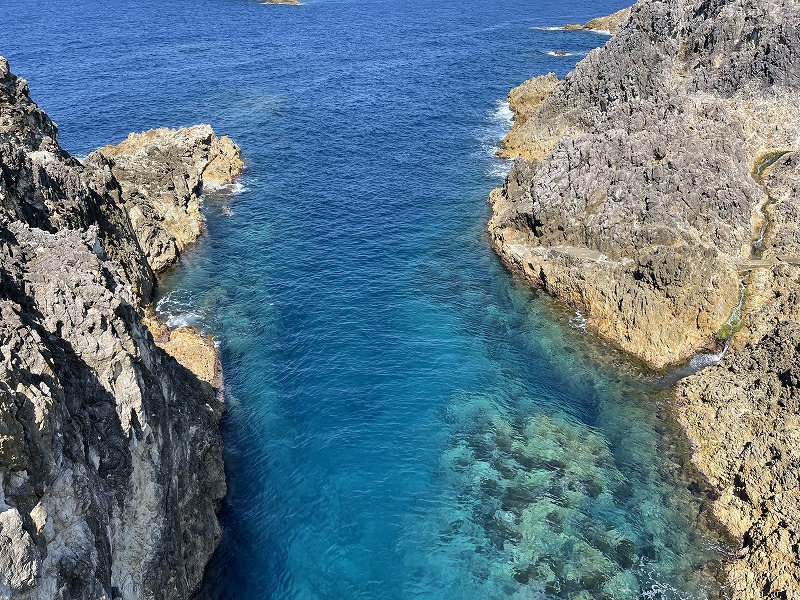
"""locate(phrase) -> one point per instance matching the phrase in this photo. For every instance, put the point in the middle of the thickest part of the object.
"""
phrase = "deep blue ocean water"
(406, 419)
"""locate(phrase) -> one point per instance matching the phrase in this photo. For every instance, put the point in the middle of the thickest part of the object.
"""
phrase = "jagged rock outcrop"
(162, 173)
(43, 186)
(607, 24)
(110, 455)
(743, 417)
(633, 195)
(648, 183)
(523, 101)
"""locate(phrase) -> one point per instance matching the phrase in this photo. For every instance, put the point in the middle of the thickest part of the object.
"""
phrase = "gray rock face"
(633, 195)
(45, 187)
(660, 172)
(110, 454)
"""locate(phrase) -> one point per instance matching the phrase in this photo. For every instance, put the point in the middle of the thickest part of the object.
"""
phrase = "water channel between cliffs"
(406, 420)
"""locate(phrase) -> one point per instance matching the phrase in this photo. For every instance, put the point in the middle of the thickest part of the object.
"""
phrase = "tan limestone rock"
(609, 24)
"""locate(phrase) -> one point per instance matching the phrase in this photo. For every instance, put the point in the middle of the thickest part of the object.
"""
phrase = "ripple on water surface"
(406, 421)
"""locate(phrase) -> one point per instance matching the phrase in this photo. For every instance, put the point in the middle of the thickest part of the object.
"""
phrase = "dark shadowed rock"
(110, 455)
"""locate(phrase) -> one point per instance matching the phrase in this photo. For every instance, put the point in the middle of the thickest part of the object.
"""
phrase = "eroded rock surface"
(662, 172)
(608, 24)
(110, 455)
(743, 417)
(162, 173)
(633, 196)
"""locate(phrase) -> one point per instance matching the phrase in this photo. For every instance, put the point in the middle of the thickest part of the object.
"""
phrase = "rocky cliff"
(161, 173)
(743, 417)
(634, 196)
(110, 454)
(652, 187)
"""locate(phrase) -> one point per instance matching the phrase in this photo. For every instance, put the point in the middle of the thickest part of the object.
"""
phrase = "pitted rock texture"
(524, 101)
(782, 181)
(45, 187)
(648, 183)
(633, 196)
(190, 347)
(162, 173)
(743, 417)
(110, 454)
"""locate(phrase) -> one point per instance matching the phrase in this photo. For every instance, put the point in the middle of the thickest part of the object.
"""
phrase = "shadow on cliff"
(87, 426)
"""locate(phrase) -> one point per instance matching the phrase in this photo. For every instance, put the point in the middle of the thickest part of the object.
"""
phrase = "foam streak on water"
(406, 420)
(490, 136)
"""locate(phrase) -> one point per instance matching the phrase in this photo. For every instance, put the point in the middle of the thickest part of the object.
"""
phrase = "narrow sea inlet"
(406, 420)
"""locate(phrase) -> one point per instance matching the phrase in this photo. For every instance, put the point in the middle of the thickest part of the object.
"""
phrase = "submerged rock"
(647, 184)
(110, 454)
(545, 508)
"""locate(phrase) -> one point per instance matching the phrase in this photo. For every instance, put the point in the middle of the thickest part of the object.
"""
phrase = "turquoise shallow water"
(406, 420)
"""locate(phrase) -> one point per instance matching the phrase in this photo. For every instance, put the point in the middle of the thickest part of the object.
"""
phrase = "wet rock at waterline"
(161, 174)
(609, 24)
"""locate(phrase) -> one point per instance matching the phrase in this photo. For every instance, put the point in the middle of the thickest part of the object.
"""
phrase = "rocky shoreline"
(110, 454)
(651, 185)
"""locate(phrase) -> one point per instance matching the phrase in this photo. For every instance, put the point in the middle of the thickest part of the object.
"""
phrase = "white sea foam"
(190, 319)
(499, 168)
(177, 310)
(557, 28)
(578, 321)
(697, 363)
(651, 586)
(499, 122)
(233, 189)
(503, 113)
(706, 359)
(238, 188)
(554, 53)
